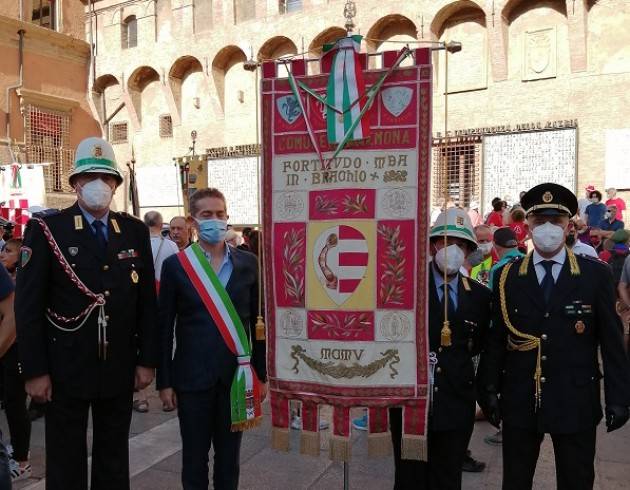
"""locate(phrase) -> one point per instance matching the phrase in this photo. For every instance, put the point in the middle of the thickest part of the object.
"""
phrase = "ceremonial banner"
(346, 240)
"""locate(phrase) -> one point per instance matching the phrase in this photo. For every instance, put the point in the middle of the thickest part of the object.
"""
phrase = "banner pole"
(346, 475)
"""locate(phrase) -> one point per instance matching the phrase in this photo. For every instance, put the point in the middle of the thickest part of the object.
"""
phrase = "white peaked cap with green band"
(95, 155)
(454, 222)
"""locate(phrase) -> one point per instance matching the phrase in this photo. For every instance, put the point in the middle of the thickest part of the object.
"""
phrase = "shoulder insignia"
(115, 225)
(124, 215)
(25, 256)
(46, 213)
(78, 222)
(465, 283)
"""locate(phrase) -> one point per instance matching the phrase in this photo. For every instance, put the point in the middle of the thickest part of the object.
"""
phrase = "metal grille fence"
(48, 141)
(457, 167)
(166, 126)
(118, 132)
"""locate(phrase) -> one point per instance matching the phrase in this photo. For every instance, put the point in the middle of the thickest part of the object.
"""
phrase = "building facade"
(539, 89)
(44, 108)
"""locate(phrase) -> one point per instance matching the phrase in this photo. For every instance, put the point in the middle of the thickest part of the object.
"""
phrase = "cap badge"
(547, 197)
(459, 221)
(97, 151)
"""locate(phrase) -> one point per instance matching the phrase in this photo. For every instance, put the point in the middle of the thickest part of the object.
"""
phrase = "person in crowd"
(616, 255)
(179, 231)
(245, 235)
(595, 211)
(211, 291)
(519, 227)
(452, 406)
(613, 200)
(473, 213)
(623, 293)
(539, 369)
(7, 332)
(495, 218)
(254, 242)
(609, 224)
(606, 250)
(161, 248)
(481, 272)
(437, 209)
(14, 392)
(584, 201)
(583, 231)
(85, 310)
(506, 246)
(232, 238)
(578, 246)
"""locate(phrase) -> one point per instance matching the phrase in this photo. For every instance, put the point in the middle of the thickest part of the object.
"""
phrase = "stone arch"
(226, 59)
(516, 8)
(139, 79)
(276, 47)
(99, 88)
(453, 10)
(181, 69)
(387, 28)
(329, 35)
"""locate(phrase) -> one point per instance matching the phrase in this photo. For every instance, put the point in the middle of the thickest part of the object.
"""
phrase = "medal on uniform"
(73, 251)
(134, 277)
(579, 327)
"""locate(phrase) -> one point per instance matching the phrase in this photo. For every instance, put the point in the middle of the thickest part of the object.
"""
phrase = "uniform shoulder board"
(590, 258)
(46, 213)
(125, 215)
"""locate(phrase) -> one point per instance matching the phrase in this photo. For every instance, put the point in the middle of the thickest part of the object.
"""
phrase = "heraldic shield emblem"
(288, 108)
(396, 99)
(340, 259)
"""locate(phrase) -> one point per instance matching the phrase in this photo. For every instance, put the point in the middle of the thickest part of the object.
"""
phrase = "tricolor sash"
(245, 400)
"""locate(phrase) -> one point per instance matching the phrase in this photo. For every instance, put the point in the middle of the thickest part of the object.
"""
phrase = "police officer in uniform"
(86, 325)
(452, 347)
(553, 312)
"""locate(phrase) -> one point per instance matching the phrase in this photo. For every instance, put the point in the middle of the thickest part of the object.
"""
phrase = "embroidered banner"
(346, 240)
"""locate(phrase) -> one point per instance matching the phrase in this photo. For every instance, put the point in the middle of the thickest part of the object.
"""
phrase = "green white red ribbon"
(245, 402)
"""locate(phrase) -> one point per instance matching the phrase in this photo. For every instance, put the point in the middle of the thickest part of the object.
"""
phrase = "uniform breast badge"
(73, 251)
(580, 327)
(134, 277)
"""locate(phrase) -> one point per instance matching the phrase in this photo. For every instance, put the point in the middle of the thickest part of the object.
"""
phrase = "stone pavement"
(155, 460)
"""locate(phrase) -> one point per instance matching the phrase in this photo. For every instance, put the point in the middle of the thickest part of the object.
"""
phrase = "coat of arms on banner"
(346, 232)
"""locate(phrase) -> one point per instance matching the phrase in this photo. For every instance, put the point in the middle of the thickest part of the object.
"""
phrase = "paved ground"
(156, 460)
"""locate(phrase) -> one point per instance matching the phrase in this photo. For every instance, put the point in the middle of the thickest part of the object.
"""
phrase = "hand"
(39, 389)
(264, 389)
(169, 398)
(616, 417)
(144, 376)
(489, 403)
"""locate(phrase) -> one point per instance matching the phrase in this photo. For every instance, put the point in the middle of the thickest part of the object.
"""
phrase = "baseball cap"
(505, 237)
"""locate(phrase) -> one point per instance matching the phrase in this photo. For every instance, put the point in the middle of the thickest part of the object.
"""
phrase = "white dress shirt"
(559, 259)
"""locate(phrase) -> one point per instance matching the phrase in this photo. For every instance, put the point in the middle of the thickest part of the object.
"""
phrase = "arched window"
(129, 32)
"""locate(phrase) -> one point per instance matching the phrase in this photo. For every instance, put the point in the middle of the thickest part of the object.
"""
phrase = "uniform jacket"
(201, 357)
(454, 391)
(570, 366)
(72, 358)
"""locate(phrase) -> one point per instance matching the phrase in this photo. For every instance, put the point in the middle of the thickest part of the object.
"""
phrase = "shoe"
(495, 439)
(141, 406)
(296, 422)
(471, 465)
(19, 472)
(360, 423)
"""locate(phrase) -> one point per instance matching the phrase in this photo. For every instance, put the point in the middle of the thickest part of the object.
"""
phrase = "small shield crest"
(396, 99)
(288, 108)
(25, 256)
(73, 251)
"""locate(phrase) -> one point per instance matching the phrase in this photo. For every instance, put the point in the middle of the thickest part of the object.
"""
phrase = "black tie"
(547, 282)
(451, 302)
(99, 228)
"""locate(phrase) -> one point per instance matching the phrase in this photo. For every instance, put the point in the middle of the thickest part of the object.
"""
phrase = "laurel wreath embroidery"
(340, 370)
(350, 205)
(293, 266)
(326, 206)
(355, 205)
(393, 276)
(352, 326)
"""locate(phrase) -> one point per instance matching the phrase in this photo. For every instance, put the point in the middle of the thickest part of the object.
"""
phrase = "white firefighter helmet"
(454, 222)
(95, 155)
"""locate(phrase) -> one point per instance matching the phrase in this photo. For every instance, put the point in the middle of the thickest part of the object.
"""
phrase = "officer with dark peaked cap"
(539, 372)
(86, 324)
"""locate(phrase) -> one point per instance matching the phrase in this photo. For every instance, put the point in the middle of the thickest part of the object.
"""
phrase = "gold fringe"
(414, 448)
(379, 445)
(248, 424)
(280, 439)
(309, 443)
(340, 449)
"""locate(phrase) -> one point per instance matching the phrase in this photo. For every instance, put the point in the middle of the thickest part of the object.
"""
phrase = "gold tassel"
(248, 424)
(379, 445)
(309, 443)
(414, 448)
(445, 337)
(340, 449)
(280, 439)
(260, 328)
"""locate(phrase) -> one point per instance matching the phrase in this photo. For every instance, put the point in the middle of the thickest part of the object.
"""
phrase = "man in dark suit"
(554, 313)
(198, 379)
(452, 347)
(86, 327)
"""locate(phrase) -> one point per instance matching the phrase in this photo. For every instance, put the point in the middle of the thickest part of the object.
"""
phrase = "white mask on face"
(548, 237)
(96, 194)
(485, 248)
(450, 259)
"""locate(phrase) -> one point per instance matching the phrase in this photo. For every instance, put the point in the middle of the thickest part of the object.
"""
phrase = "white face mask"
(450, 259)
(548, 237)
(486, 248)
(96, 194)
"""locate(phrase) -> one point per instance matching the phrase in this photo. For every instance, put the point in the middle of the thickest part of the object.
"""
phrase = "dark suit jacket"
(570, 365)
(201, 357)
(454, 399)
(71, 358)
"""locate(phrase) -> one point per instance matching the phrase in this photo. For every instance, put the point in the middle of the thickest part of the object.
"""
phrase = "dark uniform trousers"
(66, 445)
(452, 417)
